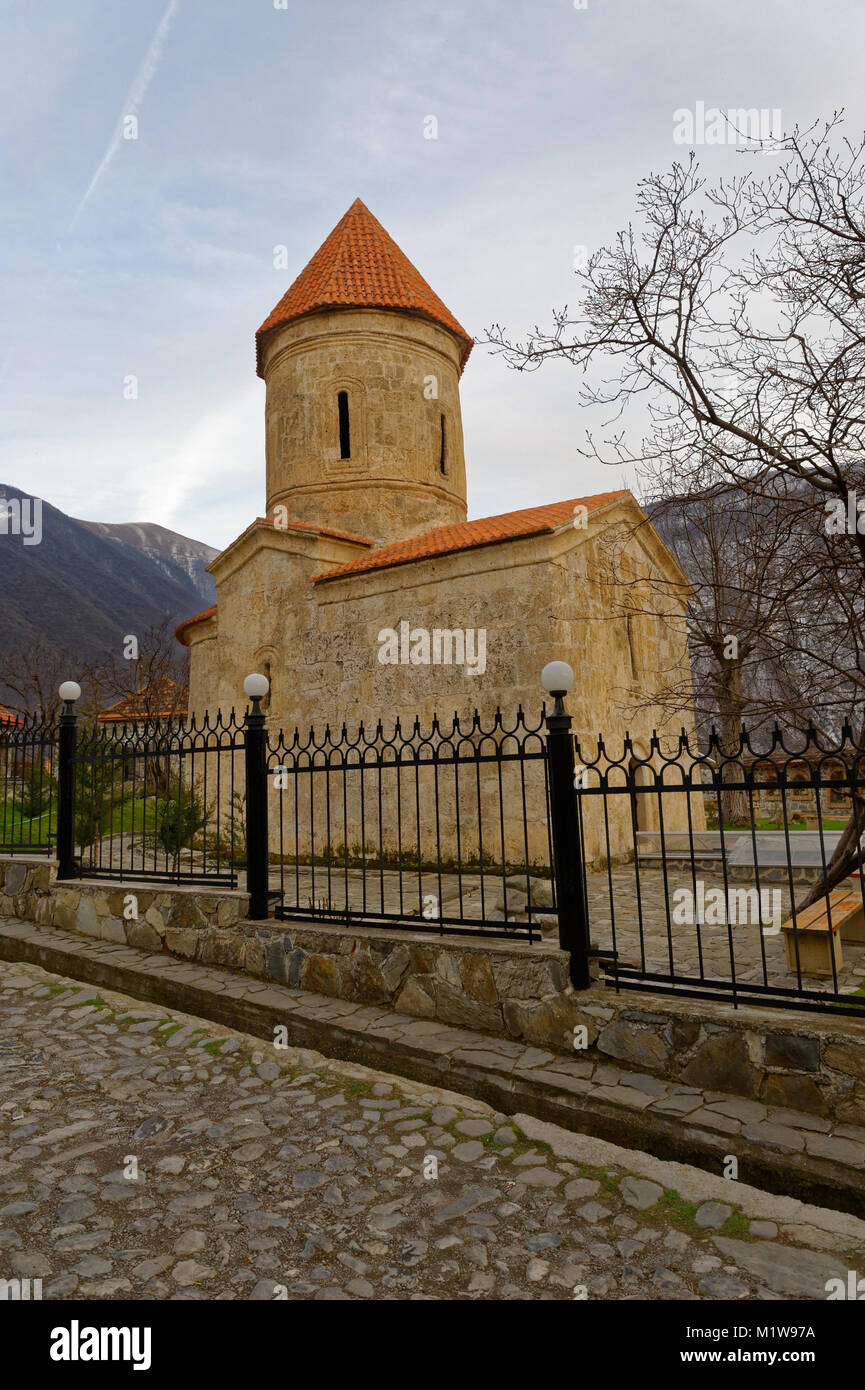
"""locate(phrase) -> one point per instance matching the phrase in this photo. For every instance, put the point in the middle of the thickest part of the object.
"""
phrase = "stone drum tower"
(362, 363)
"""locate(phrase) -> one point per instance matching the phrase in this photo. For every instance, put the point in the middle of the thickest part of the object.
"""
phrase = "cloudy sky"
(257, 126)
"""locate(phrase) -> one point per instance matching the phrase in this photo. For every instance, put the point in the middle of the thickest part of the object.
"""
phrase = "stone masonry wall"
(536, 599)
(787, 1060)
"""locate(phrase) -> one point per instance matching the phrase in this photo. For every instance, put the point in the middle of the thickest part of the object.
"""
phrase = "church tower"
(362, 363)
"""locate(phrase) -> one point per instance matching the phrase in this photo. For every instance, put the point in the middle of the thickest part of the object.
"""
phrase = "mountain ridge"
(87, 585)
(169, 550)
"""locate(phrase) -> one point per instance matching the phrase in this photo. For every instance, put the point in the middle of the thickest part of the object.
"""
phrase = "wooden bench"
(811, 937)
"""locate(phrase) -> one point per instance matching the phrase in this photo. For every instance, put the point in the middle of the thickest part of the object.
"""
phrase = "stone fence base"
(519, 990)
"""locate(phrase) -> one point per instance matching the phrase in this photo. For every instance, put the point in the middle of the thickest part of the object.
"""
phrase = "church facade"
(364, 593)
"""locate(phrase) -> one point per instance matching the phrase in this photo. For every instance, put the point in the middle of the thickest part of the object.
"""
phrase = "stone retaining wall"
(786, 1059)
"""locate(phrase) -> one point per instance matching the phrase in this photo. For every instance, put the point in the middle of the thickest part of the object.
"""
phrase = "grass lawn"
(130, 815)
(136, 815)
(16, 831)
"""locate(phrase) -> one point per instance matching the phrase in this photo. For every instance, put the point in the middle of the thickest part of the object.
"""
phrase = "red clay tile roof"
(318, 530)
(445, 540)
(468, 535)
(7, 717)
(360, 267)
(180, 630)
(163, 700)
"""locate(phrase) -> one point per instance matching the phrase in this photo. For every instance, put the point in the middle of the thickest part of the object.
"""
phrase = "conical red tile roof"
(360, 267)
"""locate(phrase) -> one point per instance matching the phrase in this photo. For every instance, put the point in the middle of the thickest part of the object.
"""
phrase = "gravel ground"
(149, 1155)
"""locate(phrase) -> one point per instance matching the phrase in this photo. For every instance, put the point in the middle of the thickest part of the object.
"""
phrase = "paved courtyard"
(149, 1155)
(714, 950)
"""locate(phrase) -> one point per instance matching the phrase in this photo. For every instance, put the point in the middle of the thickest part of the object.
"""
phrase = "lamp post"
(256, 687)
(557, 678)
(69, 692)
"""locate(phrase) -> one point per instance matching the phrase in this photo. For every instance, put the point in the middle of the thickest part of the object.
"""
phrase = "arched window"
(344, 430)
(443, 459)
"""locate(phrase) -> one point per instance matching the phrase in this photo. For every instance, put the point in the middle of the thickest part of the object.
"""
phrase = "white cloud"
(267, 125)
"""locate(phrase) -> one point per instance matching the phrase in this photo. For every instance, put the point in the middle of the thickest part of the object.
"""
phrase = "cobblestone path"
(148, 1155)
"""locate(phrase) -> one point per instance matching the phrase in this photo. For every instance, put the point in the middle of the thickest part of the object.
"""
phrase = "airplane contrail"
(134, 98)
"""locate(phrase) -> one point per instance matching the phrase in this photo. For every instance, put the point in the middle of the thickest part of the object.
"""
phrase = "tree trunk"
(735, 808)
(845, 860)
(847, 857)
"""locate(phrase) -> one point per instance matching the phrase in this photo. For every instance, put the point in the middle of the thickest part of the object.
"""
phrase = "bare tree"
(153, 689)
(735, 315)
(741, 575)
(155, 681)
(30, 677)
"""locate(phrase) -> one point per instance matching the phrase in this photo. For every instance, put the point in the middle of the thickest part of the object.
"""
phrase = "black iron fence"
(155, 799)
(663, 868)
(28, 778)
(724, 874)
(447, 826)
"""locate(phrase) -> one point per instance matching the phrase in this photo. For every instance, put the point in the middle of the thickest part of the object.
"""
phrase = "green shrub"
(35, 795)
(183, 816)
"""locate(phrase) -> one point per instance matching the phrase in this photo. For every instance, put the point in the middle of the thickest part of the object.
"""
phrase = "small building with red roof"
(364, 592)
(161, 699)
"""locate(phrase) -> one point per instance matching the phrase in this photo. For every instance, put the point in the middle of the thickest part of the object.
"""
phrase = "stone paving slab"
(780, 1150)
(154, 1155)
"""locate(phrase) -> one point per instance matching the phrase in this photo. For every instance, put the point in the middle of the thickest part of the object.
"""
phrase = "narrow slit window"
(443, 448)
(344, 431)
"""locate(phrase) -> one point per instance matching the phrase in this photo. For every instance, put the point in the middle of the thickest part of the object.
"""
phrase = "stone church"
(364, 593)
